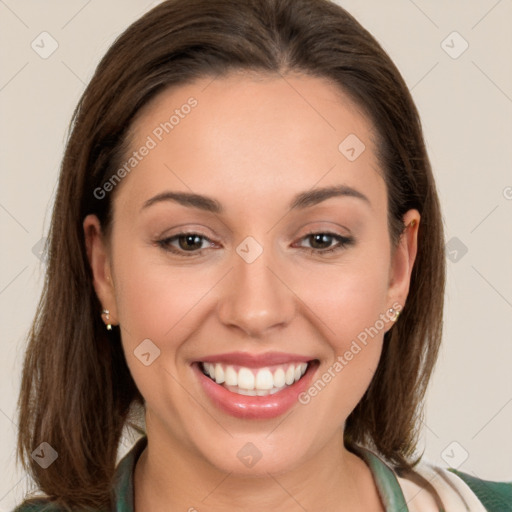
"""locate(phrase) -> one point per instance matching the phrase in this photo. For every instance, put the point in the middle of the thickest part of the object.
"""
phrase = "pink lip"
(255, 407)
(256, 360)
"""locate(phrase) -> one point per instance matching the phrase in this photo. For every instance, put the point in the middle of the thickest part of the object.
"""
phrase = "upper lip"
(255, 360)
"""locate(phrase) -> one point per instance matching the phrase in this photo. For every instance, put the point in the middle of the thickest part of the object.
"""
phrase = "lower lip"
(255, 407)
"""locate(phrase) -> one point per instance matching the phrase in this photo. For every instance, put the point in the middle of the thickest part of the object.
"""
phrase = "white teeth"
(264, 379)
(279, 378)
(245, 378)
(231, 376)
(247, 392)
(209, 369)
(219, 374)
(255, 382)
(290, 375)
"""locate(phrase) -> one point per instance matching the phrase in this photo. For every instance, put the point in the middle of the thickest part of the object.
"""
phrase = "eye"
(321, 242)
(191, 244)
(183, 243)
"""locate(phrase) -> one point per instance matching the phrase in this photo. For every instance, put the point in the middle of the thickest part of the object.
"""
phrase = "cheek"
(162, 303)
(154, 300)
(348, 299)
(351, 303)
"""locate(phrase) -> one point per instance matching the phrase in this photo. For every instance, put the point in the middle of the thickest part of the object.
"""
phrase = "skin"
(252, 143)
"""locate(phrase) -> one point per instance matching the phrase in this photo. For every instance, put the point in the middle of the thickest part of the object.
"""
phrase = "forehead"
(253, 134)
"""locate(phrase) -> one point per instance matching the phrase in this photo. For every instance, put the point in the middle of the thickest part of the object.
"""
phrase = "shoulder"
(495, 496)
(122, 487)
(457, 490)
(44, 505)
(38, 505)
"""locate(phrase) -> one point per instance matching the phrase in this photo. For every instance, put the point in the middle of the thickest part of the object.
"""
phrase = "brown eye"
(185, 244)
(322, 243)
(190, 242)
(320, 240)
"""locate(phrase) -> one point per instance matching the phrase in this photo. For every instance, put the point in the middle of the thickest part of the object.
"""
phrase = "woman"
(246, 266)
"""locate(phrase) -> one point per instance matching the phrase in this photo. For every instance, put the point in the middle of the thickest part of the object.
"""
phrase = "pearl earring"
(106, 312)
(395, 313)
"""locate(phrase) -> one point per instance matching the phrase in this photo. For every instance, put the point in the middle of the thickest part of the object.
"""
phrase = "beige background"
(466, 107)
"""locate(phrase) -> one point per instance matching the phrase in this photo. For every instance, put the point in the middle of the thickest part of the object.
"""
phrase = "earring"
(106, 312)
(413, 221)
(395, 313)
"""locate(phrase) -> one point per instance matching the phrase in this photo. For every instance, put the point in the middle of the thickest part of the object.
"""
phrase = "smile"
(255, 381)
(254, 386)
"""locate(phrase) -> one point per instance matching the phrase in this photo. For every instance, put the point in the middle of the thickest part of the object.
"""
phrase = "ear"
(99, 259)
(402, 260)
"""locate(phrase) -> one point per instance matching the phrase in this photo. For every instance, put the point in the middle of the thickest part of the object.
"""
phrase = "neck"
(169, 476)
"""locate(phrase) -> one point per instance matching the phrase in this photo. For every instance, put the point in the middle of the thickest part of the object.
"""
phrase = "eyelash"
(343, 242)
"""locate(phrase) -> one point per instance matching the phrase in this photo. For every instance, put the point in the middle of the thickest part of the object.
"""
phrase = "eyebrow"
(318, 195)
(299, 202)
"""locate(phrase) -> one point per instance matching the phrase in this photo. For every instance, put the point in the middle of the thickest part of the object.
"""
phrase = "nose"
(256, 298)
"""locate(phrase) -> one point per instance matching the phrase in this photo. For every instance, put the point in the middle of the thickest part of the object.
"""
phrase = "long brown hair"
(77, 393)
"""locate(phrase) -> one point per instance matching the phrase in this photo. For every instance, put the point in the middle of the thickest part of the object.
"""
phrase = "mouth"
(255, 387)
(254, 381)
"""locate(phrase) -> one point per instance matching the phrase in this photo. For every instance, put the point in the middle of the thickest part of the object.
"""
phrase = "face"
(250, 269)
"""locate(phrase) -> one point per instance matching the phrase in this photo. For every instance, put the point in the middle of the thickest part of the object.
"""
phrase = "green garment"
(496, 497)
